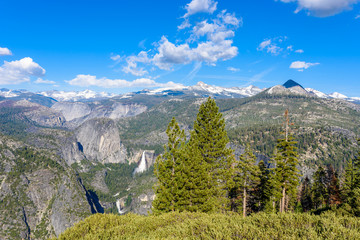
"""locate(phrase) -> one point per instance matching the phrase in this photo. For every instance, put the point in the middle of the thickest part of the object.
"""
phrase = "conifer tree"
(306, 196)
(333, 187)
(196, 192)
(352, 184)
(247, 175)
(319, 188)
(285, 171)
(263, 189)
(167, 170)
(210, 137)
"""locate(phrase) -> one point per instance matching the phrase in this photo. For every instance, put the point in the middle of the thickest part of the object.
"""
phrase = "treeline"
(202, 174)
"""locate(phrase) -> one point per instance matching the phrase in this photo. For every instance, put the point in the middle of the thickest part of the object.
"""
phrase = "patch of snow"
(338, 95)
(317, 93)
(8, 94)
(75, 96)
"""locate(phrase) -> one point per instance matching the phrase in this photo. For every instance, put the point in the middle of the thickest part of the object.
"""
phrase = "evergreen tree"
(306, 196)
(285, 172)
(166, 170)
(352, 184)
(263, 190)
(196, 192)
(247, 176)
(333, 187)
(210, 137)
(319, 188)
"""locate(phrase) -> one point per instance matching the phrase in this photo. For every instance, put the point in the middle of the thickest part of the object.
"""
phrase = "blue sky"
(121, 46)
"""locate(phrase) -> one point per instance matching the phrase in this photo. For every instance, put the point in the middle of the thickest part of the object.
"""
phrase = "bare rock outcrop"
(100, 141)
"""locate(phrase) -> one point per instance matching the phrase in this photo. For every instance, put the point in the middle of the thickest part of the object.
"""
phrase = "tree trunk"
(283, 201)
(244, 203)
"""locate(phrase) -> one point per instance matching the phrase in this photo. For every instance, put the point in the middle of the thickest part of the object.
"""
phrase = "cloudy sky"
(125, 45)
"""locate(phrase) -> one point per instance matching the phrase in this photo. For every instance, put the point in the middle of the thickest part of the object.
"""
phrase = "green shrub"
(215, 226)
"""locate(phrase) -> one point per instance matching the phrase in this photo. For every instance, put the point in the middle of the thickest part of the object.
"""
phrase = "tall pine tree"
(285, 171)
(306, 195)
(196, 193)
(352, 184)
(247, 176)
(167, 171)
(210, 137)
(319, 188)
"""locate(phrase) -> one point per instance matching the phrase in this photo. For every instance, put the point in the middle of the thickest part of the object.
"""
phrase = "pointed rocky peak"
(291, 83)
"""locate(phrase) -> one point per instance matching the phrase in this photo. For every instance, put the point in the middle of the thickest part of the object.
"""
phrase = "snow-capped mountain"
(246, 91)
(76, 96)
(317, 93)
(335, 95)
(48, 98)
(7, 93)
(203, 89)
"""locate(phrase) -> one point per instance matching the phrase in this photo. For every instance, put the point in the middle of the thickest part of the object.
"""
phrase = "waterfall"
(142, 166)
(118, 206)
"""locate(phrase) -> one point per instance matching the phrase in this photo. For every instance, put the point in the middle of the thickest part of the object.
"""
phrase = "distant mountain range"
(199, 90)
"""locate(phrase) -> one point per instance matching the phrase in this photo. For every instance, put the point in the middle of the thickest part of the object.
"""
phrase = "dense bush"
(215, 226)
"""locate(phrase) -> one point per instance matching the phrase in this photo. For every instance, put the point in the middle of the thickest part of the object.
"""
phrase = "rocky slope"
(40, 196)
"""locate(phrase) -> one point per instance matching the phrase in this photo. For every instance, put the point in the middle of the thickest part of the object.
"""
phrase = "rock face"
(40, 196)
(41, 115)
(71, 110)
(77, 113)
(99, 140)
(278, 89)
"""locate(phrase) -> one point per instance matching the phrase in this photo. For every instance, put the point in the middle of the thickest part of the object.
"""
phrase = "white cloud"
(264, 44)
(301, 65)
(89, 80)
(196, 6)
(276, 45)
(357, 16)
(232, 69)
(19, 71)
(115, 57)
(169, 53)
(210, 41)
(208, 51)
(132, 64)
(270, 47)
(230, 19)
(40, 80)
(184, 24)
(299, 51)
(5, 51)
(323, 8)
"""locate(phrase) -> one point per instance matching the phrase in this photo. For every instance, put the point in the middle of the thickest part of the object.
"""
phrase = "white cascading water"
(142, 166)
(118, 206)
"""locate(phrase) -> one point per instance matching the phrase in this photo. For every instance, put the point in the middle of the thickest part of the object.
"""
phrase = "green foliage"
(285, 173)
(319, 188)
(215, 226)
(247, 176)
(351, 188)
(29, 160)
(195, 182)
(210, 137)
(306, 195)
(167, 170)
